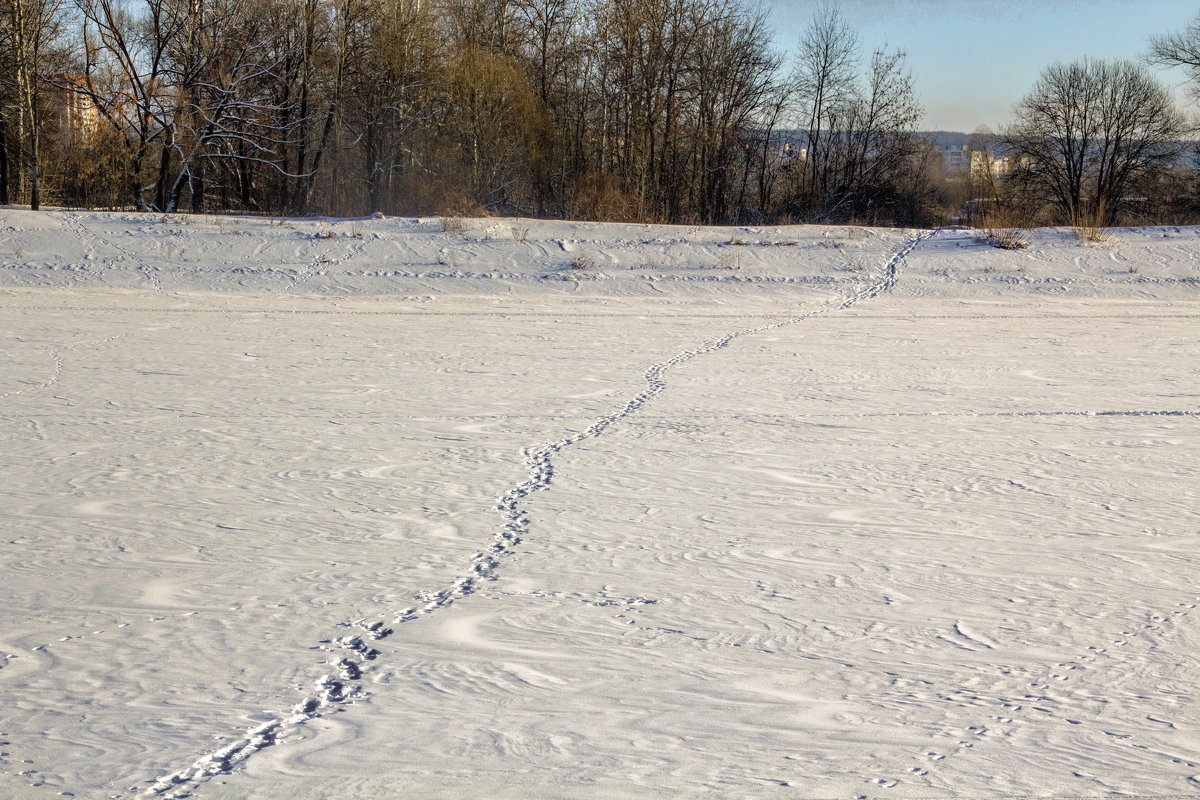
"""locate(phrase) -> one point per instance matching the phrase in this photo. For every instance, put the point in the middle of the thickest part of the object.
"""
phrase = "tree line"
(649, 110)
(658, 110)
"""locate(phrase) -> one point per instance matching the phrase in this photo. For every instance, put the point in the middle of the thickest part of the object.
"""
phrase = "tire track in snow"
(355, 651)
(578, 277)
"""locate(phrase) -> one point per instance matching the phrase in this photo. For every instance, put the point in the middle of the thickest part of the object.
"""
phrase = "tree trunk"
(196, 179)
(164, 169)
(3, 161)
(35, 175)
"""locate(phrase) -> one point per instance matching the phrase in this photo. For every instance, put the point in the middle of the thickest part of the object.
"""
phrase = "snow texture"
(369, 508)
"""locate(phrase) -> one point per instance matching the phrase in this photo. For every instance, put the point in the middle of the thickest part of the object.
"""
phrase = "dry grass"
(1006, 226)
(1091, 227)
(453, 225)
(1008, 238)
(582, 261)
(1092, 233)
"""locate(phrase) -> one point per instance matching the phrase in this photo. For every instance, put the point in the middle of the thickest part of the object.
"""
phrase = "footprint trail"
(354, 652)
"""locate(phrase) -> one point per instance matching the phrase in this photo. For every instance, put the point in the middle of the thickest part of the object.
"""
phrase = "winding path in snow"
(354, 653)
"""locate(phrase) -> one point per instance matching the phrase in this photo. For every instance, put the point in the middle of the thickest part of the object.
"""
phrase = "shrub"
(453, 225)
(1093, 233)
(1008, 238)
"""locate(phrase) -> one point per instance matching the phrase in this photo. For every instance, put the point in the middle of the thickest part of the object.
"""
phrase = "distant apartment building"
(956, 159)
(959, 159)
(75, 111)
(985, 162)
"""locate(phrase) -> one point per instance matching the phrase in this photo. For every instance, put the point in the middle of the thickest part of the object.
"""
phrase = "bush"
(1093, 233)
(1008, 238)
(453, 225)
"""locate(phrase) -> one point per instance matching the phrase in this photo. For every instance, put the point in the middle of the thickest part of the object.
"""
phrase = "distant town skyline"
(973, 59)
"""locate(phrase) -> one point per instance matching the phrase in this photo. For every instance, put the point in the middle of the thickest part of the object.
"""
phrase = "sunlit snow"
(374, 509)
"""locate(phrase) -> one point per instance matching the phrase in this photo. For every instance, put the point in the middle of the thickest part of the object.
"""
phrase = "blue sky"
(972, 59)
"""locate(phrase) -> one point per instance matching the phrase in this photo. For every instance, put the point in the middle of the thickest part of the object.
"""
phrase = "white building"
(956, 159)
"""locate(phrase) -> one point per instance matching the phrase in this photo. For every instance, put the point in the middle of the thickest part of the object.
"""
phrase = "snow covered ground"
(372, 509)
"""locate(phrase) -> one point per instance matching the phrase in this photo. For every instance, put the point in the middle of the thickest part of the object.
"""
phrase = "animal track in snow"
(144, 269)
(320, 263)
(1034, 704)
(34, 385)
(599, 599)
(353, 655)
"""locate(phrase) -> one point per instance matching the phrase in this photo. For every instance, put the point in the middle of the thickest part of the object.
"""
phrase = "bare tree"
(493, 119)
(345, 19)
(734, 79)
(873, 142)
(765, 144)
(825, 73)
(667, 110)
(392, 92)
(125, 49)
(860, 124)
(1090, 132)
(223, 70)
(553, 53)
(30, 28)
(1180, 49)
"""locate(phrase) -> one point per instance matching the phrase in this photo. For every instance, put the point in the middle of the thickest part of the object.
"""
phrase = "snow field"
(936, 543)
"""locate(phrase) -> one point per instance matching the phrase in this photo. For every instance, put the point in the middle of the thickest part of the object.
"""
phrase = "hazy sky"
(972, 59)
